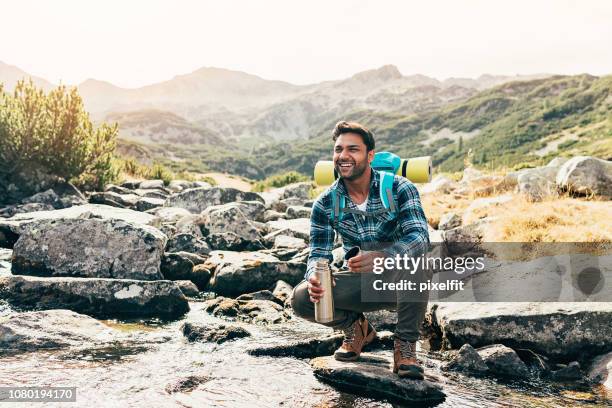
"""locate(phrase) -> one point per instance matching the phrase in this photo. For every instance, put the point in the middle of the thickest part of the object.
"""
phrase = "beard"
(354, 173)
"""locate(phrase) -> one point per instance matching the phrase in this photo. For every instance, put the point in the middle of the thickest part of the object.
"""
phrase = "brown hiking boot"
(355, 338)
(405, 363)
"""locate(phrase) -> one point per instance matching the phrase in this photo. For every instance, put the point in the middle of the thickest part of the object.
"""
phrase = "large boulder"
(114, 199)
(94, 248)
(197, 200)
(297, 190)
(539, 183)
(298, 227)
(188, 243)
(51, 329)
(101, 298)
(256, 311)
(467, 360)
(221, 221)
(235, 273)
(563, 330)
(372, 377)
(586, 175)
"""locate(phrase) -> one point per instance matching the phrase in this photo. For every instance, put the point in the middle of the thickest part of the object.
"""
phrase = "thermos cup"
(324, 308)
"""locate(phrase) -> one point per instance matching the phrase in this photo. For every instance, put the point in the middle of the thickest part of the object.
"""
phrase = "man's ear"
(370, 156)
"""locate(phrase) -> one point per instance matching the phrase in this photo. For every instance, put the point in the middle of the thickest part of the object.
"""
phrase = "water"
(136, 374)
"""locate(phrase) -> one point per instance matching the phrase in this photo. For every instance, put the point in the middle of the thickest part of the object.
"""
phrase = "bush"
(160, 172)
(280, 180)
(51, 135)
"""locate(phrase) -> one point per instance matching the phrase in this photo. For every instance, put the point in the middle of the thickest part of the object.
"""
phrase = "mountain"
(9, 75)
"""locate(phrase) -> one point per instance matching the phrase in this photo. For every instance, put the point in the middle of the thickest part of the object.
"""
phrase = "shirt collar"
(374, 182)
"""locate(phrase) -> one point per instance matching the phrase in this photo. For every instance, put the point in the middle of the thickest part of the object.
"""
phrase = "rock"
(260, 295)
(286, 241)
(309, 203)
(503, 361)
(479, 207)
(470, 173)
(571, 372)
(185, 266)
(117, 189)
(282, 290)
(439, 185)
(271, 215)
(299, 227)
(24, 208)
(251, 311)
(537, 184)
(253, 210)
(563, 330)
(196, 184)
(94, 248)
(146, 203)
(188, 288)
(189, 224)
(297, 190)
(449, 221)
(600, 371)
(383, 319)
(51, 329)
(48, 197)
(158, 194)
(586, 175)
(468, 360)
(325, 346)
(114, 199)
(244, 272)
(169, 214)
(465, 238)
(218, 333)
(5, 261)
(177, 186)
(227, 226)
(197, 200)
(187, 384)
(557, 162)
(151, 184)
(188, 243)
(298, 212)
(101, 298)
(284, 204)
(372, 377)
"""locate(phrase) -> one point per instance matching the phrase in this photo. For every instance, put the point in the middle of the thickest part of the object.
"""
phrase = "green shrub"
(280, 180)
(51, 134)
(160, 172)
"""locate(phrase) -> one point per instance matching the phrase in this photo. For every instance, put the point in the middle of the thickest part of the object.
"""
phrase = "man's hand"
(314, 288)
(364, 261)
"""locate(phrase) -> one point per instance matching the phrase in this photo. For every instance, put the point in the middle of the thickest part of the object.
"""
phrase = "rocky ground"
(149, 250)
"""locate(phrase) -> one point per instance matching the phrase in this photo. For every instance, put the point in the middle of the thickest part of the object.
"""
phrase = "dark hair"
(354, 127)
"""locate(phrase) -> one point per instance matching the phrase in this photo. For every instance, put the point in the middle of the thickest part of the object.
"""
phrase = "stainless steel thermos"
(324, 308)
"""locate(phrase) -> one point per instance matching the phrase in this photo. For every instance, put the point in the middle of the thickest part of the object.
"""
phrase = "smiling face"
(351, 158)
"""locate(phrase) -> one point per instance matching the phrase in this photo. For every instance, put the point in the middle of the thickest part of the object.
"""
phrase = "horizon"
(139, 43)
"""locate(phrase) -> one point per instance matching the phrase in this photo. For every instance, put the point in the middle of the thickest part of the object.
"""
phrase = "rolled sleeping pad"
(416, 169)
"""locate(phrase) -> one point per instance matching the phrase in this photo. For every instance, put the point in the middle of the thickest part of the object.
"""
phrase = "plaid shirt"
(406, 230)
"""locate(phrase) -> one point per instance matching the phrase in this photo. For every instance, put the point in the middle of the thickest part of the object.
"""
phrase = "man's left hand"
(364, 261)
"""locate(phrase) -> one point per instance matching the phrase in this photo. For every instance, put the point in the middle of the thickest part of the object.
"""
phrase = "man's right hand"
(314, 288)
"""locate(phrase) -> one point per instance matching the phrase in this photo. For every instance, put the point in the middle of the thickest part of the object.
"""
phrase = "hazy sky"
(132, 42)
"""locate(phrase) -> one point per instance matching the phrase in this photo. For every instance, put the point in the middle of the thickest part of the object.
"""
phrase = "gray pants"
(352, 297)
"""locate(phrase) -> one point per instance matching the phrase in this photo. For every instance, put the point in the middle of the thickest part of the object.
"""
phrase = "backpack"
(387, 164)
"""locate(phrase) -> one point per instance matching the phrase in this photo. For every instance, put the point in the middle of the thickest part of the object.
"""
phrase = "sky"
(132, 43)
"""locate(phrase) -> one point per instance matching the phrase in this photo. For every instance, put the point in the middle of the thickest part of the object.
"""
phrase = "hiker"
(368, 208)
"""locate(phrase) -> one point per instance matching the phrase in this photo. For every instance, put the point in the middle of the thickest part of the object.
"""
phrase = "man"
(406, 233)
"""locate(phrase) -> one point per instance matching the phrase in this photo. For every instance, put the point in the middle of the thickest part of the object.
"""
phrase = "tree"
(50, 135)
(460, 144)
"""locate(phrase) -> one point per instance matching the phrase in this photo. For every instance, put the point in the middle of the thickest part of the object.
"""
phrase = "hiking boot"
(356, 337)
(405, 363)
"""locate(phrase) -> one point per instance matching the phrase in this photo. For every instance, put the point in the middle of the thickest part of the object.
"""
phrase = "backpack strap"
(338, 206)
(386, 191)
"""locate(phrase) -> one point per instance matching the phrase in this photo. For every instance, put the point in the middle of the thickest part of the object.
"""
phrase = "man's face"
(351, 158)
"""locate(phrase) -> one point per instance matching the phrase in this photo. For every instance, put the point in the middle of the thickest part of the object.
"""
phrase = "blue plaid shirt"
(406, 231)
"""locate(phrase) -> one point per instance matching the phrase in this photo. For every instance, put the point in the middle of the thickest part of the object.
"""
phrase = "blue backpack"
(388, 164)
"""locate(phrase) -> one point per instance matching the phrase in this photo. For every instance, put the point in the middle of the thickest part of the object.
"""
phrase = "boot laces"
(407, 349)
(349, 333)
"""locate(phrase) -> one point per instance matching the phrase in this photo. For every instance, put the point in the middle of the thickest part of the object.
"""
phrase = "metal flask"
(324, 308)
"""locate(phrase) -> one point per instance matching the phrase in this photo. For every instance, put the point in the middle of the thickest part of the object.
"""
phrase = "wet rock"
(600, 371)
(188, 243)
(271, 215)
(503, 361)
(299, 227)
(324, 346)
(187, 384)
(282, 290)
(51, 329)
(92, 247)
(114, 199)
(570, 372)
(537, 184)
(197, 200)
(449, 221)
(218, 333)
(151, 184)
(468, 360)
(372, 377)
(188, 288)
(260, 295)
(251, 311)
(586, 175)
(146, 203)
(102, 298)
(294, 212)
(564, 330)
(185, 266)
(235, 273)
